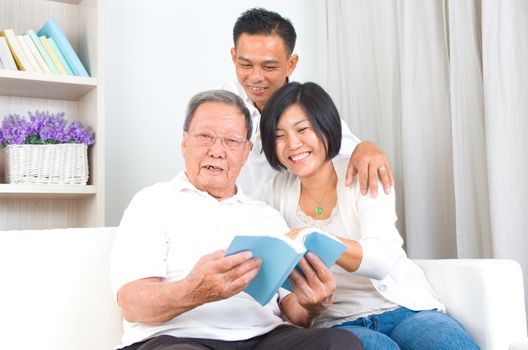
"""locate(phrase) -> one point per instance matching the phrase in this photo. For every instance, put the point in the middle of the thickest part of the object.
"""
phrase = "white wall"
(158, 53)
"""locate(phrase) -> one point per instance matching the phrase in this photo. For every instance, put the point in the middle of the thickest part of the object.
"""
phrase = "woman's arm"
(351, 258)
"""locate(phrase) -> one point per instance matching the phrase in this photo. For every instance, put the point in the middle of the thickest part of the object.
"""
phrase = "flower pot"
(47, 164)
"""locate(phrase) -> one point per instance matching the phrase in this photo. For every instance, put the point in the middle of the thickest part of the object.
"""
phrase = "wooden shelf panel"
(44, 85)
(54, 191)
(74, 2)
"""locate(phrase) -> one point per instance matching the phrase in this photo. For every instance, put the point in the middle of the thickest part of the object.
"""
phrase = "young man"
(264, 60)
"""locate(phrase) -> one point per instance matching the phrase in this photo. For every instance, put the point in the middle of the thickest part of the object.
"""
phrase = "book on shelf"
(35, 52)
(18, 55)
(53, 55)
(280, 255)
(35, 67)
(8, 61)
(52, 30)
(43, 52)
(60, 56)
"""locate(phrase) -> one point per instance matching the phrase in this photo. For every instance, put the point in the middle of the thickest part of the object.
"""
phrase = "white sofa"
(55, 293)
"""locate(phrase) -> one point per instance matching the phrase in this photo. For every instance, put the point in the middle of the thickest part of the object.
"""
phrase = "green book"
(33, 35)
(280, 255)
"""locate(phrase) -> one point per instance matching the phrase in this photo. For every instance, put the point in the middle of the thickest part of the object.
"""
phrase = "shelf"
(44, 85)
(10, 190)
(73, 2)
(80, 98)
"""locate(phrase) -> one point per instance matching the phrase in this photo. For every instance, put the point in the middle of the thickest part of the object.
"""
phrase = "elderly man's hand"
(315, 290)
(217, 277)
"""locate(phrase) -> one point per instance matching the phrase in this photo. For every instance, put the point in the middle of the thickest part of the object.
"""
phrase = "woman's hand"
(315, 290)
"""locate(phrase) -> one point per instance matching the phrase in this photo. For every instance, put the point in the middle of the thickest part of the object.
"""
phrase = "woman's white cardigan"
(370, 221)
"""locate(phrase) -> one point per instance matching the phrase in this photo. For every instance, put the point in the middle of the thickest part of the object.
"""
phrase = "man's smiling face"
(262, 65)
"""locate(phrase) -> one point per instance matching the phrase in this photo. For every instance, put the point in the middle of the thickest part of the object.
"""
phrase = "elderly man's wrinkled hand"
(217, 277)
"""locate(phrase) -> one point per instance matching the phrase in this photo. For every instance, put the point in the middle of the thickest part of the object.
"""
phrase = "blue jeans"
(410, 330)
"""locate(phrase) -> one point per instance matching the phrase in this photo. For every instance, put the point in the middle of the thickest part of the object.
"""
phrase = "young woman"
(381, 296)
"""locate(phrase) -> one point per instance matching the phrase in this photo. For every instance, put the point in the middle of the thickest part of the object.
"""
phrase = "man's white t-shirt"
(257, 171)
(165, 230)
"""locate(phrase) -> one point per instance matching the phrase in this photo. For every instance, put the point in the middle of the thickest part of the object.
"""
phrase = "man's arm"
(312, 293)
(214, 277)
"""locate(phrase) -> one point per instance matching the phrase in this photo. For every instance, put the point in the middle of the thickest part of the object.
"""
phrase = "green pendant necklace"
(318, 204)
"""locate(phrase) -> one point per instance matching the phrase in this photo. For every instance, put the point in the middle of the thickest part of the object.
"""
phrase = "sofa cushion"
(56, 290)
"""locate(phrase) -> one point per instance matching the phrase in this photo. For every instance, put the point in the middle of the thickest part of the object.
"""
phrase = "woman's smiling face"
(297, 145)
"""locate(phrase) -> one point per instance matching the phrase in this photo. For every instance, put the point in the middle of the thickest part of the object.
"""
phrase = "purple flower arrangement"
(43, 128)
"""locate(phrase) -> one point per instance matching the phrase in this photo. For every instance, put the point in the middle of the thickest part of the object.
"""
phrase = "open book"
(280, 255)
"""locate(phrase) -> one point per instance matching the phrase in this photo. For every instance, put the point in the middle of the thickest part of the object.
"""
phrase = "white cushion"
(56, 291)
(485, 295)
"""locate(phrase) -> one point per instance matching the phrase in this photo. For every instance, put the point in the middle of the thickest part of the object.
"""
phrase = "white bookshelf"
(81, 98)
(47, 191)
(42, 85)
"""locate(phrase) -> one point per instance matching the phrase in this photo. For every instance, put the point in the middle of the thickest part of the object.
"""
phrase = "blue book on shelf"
(280, 255)
(52, 30)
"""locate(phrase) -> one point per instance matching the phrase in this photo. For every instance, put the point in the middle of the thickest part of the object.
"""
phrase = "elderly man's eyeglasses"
(207, 139)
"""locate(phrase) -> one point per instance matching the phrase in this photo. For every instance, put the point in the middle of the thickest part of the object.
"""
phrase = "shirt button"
(382, 288)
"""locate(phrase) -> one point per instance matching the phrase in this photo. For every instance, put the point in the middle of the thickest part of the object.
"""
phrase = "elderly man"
(176, 288)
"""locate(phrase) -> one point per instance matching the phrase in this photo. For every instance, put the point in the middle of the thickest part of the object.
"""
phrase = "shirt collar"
(181, 183)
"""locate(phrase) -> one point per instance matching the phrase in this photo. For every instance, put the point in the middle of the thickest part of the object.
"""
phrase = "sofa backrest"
(56, 290)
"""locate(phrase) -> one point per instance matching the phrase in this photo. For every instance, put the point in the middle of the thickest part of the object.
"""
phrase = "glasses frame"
(214, 137)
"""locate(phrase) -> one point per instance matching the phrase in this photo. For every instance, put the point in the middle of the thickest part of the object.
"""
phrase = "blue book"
(280, 255)
(52, 30)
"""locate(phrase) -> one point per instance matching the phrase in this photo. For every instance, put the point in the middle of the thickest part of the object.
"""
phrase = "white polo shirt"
(165, 230)
(257, 171)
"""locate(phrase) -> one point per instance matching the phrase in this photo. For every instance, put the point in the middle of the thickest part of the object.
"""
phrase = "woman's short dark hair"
(319, 108)
(259, 21)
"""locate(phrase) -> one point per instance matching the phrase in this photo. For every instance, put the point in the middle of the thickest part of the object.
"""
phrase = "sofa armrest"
(56, 290)
(485, 295)
(519, 345)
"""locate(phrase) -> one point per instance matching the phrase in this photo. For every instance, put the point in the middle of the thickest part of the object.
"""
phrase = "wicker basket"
(47, 164)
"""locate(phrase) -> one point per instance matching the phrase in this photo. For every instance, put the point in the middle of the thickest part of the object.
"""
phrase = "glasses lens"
(233, 143)
(202, 138)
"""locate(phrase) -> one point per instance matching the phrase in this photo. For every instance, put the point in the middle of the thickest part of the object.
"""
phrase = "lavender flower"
(43, 128)
(80, 134)
(14, 130)
(51, 127)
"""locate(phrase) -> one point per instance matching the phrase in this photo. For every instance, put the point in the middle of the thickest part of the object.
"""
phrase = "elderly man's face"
(214, 167)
